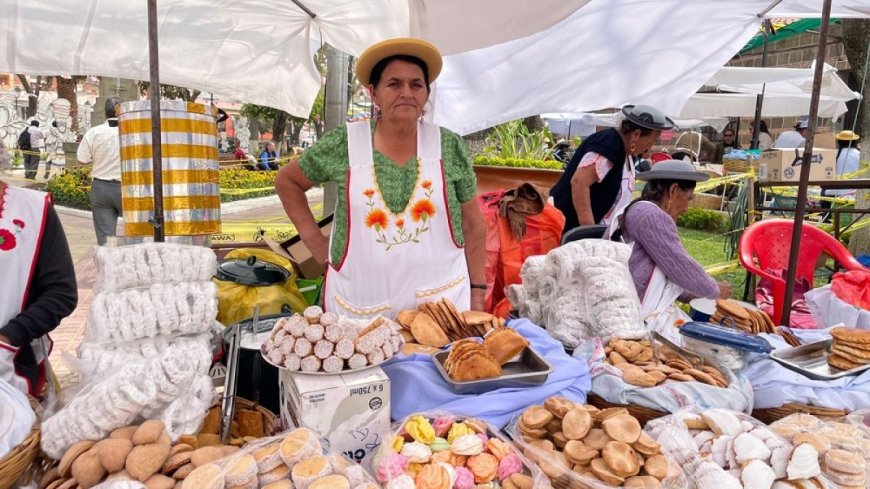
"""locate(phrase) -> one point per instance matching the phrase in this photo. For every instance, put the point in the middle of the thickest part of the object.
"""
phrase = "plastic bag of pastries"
(625, 372)
(578, 445)
(295, 458)
(722, 448)
(441, 449)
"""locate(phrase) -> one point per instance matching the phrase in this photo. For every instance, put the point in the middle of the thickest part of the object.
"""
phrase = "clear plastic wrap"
(487, 456)
(564, 474)
(669, 396)
(167, 386)
(160, 309)
(300, 456)
(723, 448)
(843, 444)
(145, 264)
(98, 358)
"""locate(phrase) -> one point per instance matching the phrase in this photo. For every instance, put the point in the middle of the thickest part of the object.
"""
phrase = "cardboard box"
(352, 410)
(299, 255)
(784, 165)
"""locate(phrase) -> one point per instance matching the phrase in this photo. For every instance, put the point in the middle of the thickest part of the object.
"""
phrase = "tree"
(33, 91)
(172, 92)
(66, 89)
(856, 42)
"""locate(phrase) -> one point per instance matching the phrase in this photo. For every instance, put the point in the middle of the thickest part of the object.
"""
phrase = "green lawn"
(709, 249)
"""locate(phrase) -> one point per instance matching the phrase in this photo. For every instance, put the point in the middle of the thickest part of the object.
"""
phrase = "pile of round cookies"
(294, 460)
(448, 452)
(318, 341)
(636, 361)
(843, 449)
(436, 324)
(570, 441)
(141, 453)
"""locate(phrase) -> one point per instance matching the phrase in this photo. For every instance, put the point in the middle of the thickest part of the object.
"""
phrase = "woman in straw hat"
(407, 228)
(661, 268)
(848, 161)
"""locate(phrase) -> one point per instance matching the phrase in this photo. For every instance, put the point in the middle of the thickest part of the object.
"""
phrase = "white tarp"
(787, 92)
(585, 123)
(505, 58)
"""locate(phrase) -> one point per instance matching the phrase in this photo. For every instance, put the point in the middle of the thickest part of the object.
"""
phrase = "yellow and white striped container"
(191, 180)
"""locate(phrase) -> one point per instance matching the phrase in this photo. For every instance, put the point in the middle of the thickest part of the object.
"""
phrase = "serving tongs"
(693, 359)
(228, 404)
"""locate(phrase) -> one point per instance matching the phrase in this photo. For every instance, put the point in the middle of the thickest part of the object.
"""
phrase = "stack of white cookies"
(295, 460)
(843, 449)
(318, 341)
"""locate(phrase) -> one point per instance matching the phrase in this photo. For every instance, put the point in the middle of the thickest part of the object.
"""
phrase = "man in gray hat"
(599, 179)
(100, 147)
(795, 138)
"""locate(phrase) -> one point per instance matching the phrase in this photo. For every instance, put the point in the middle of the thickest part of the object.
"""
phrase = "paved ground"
(79, 230)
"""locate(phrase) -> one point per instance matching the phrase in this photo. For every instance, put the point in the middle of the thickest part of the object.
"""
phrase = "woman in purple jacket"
(662, 269)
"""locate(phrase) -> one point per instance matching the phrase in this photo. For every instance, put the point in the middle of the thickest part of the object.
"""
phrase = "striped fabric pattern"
(189, 145)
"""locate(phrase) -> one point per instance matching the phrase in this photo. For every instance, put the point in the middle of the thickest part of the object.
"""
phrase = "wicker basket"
(707, 201)
(22, 459)
(641, 413)
(270, 421)
(770, 415)
(739, 166)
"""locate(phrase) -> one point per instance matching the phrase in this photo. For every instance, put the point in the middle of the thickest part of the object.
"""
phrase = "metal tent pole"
(805, 165)
(759, 99)
(154, 95)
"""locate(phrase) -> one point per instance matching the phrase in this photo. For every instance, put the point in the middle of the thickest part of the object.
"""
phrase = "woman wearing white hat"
(661, 268)
(407, 227)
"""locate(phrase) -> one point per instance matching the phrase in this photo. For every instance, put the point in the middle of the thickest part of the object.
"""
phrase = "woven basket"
(739, 166)
(707, 201)
(641, 413)
(769, 415)
(270, 421)
(22, 458)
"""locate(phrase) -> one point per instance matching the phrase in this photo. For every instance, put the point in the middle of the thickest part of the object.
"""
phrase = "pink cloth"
(801, 317)
(853, 287)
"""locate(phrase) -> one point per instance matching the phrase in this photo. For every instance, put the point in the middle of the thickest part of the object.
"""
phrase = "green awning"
(784, 32)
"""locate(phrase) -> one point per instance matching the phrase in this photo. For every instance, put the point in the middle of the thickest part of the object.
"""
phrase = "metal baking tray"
(811, 360)
(528, 369)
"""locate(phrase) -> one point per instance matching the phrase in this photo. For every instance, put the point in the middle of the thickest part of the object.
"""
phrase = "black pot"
(256, 376)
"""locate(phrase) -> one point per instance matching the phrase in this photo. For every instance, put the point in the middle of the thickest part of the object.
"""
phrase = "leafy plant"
(703, 220)
(483, 160)
(71, 188)
(514, 140)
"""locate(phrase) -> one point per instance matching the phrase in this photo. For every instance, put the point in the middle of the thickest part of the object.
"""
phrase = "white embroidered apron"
(22, 217)
(396, 261)
(626, 190)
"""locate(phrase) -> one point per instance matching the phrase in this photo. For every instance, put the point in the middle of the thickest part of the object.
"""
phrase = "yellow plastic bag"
(236, 302)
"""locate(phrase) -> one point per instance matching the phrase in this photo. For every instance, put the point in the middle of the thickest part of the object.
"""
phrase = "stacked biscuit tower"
(146, 352)
(751, 321)
(851, 348)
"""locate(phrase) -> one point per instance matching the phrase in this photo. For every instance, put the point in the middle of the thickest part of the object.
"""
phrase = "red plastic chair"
(765, 246)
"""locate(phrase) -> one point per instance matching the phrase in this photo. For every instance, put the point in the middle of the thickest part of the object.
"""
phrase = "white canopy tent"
(503, 58)
(787, 92)
(584, 123)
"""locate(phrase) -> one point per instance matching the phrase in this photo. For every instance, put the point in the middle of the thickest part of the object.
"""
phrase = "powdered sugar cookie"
(323, 349)
(329, 319)
(276, 356)
(296, 326)
(344, 349)
(358, 360)
(333, 333)
(375, 357)
(314, 333)
(311, 364)
(303, 347)
(293, 362)
(312, 314)
(287, 345)
(333, 364)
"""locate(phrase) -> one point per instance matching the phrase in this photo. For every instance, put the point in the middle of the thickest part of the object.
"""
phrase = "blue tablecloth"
(417, 386)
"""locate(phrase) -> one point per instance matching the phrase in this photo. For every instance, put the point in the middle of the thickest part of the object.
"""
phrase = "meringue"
(390, 467)
(464, 479)
(420, 430)
(417, 452)
(508, 466)
(457, 430)
(466, 445)
(439, 445)
(404, 481)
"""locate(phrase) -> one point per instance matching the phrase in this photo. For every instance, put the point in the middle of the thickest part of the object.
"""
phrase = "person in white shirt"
(795, 138)
(31, 161)
(848, 160)
(100, 147)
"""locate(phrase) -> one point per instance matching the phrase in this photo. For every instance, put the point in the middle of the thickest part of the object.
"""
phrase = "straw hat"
(673, 170)
(847, 136)
(407, 46)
